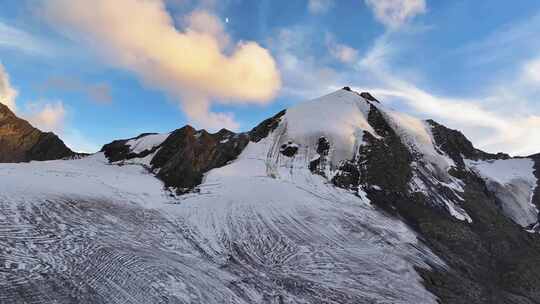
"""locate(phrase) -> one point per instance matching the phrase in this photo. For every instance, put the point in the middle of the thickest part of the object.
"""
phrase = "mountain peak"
(21, 142)
(5, 111)
(366, 95)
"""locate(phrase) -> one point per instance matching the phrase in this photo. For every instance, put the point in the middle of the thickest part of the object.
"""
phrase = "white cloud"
(319, 6)
(493, 122)
(341, 52)
(48, 117)
(304, 76)
(395, 13)
(531, 72)
(344, 53)
(7, 93)
(488, 129)
(196, 65)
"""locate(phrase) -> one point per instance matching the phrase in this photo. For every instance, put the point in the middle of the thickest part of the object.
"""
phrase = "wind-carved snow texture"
(262, 229)
(513, 182)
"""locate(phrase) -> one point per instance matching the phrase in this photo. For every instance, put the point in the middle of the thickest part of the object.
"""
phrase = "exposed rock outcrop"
(182, 159)
(120, 150)
(187, 154)
(457, 146)
(20, 142)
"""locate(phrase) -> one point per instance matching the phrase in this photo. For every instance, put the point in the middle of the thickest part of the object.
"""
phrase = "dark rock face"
(368, 96)
(323, 146)
(20, 142)
(119, 150)
(319, 164)
(348, 175)
(187, 154)
(491, 260)
(289, 149)
(265, 127)
(456, 145)
(384, 154)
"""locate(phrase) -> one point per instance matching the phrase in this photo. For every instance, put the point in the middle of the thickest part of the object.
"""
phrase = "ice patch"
(147, 142)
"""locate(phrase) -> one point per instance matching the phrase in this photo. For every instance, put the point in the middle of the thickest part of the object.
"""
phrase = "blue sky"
(94, 71)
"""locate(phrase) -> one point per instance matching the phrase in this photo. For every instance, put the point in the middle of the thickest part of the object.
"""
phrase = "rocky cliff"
(20, 142)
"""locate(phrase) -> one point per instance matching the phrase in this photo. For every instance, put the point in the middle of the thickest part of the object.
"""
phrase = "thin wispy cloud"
(96, 92)
(531, 72)
(190, 64)
(304, 74)
(505, 44)
(22, 41)
(394, 13)
(342, 52)
(492, 121)
(319, 6)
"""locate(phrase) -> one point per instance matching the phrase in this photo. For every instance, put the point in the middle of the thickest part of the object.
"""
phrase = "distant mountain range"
(335, 200)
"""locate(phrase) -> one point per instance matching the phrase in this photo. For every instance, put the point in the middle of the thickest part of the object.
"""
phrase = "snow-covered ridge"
(146, 142)
(341, 117)
(513, 182)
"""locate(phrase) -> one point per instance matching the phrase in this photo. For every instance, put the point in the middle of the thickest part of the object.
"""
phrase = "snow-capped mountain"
(335, 200)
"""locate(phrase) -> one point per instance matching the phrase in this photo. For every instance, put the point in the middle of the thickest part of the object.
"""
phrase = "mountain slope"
(335, 200)
(20, 142)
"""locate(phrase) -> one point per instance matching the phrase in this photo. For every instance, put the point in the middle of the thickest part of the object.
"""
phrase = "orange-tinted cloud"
(47, 117)
(197, 65)
(7, 93)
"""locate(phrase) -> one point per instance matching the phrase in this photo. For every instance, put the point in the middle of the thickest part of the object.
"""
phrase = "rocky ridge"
(20, 142)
